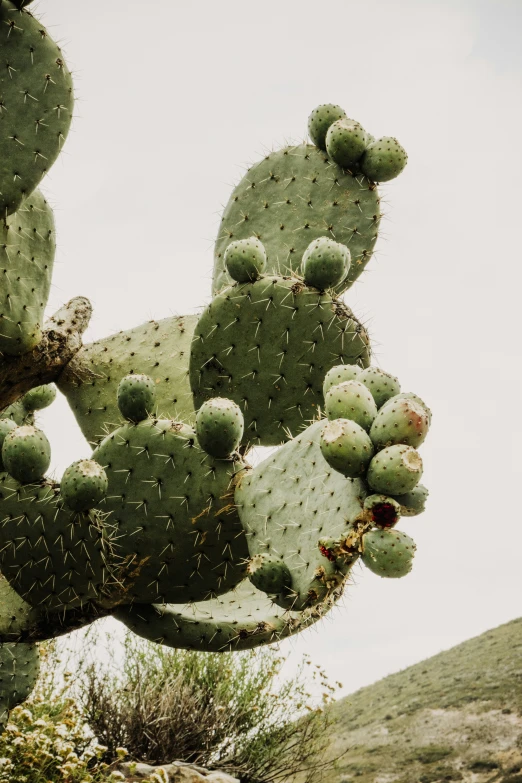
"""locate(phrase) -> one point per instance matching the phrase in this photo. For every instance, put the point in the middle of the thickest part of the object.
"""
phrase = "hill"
(454, 717)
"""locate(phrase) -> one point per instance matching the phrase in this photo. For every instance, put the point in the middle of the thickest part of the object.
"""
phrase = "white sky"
(175, 97)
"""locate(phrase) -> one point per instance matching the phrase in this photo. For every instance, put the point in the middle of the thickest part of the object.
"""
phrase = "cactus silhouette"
(167, 527)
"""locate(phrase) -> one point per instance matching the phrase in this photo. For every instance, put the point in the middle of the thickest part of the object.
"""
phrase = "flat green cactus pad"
(178, 533)
(292, 501)
(239, 620)
(27, 247)
(267, 346)
(49, 555)
(36, 104)
(160, 349)
(19, 669)
(293, 196)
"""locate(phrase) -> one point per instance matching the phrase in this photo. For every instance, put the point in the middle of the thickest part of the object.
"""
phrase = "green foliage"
(234, 712)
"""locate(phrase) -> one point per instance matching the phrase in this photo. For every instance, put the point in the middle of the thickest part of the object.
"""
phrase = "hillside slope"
(456, 716)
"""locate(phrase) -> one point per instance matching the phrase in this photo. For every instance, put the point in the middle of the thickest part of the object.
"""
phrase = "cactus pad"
(19, 669)
(50, 556)
(179, 536)
(35, 107)
(159, 349)
(292, 197)
(27, 247)
(239, 620)
(294, 336)
(289, 502)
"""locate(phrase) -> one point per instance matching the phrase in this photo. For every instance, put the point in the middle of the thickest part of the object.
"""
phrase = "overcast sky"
(176, 97)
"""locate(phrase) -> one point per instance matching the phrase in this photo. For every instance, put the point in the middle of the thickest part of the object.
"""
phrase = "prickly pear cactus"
(166, 526)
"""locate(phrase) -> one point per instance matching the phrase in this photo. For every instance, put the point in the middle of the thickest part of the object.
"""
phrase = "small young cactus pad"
(136, 397)
(320, 120)
(26, 454)
(245, 260)
(388, 553)
(346, 447)
(219, 427)
(325, 263)
(395, 470)
(384, 159)
(351, 400)
(84, 484)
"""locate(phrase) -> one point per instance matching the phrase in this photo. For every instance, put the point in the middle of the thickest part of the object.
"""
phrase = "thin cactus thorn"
(166, 526)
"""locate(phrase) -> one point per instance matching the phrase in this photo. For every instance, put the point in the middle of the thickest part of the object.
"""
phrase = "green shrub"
(430, 753)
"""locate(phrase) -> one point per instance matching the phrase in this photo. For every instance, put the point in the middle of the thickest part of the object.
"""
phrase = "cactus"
(166, 526)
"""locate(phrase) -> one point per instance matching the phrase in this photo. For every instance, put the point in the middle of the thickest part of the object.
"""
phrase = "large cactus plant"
(167, 527)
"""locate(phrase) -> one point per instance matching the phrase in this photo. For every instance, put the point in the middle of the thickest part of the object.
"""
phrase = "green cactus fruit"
(136, 397)
(351, 400)
(320, 120)
(414, 502)
(37, 103)
(346, 142)
(240, 620)
(382, 385)
(6, 426)
(388, 553)
(26, 454)
(339, 374)
(415, 398)
(294, 336)
(27, 248)
(245, 260)
(293, 196)
(399, 421)
(382, 510)
(325, 263)
(219, 427)
(19, 669)
(383, 160)
(270, 574)
(172, 506)
(395, 470)
(84, 484)
(51, 556)
(346, 447)
(17, 413)
(291, 500)
(39, 398)
(160, 349)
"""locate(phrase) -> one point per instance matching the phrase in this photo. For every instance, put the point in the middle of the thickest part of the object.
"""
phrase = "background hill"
(456, 716)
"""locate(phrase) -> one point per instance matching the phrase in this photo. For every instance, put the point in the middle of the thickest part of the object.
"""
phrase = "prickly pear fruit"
(245, 260)
(382, 385)
(325, 263)
(39, 398)
(382, 510)
(399, 421)
(136, 397)
(351, 400)
(270, 575)
(384, 159)
(26, 454)
(346, 142)
(6, 426)
(84, 484)
(395, 470)
(414, 502)
(219, 427)
(340, 374)
(412, 396)
(320, 120)
(346, 447)
(388, 553)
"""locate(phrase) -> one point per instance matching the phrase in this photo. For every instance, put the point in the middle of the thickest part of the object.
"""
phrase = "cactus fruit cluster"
(166, 526)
